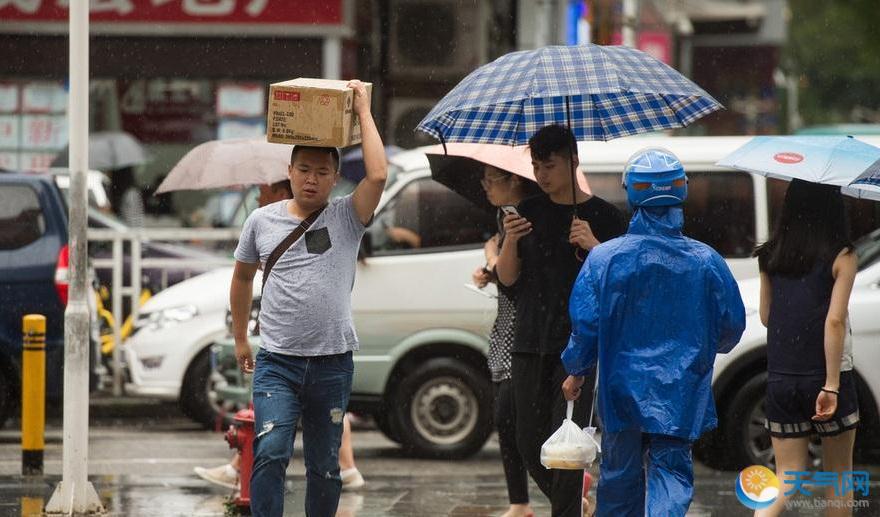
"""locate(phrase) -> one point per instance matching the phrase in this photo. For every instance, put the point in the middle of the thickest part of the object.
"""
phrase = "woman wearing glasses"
(504, 189)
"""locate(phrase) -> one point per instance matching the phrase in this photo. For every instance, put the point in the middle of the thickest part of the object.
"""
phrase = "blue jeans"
(632, 459)
(285, 389)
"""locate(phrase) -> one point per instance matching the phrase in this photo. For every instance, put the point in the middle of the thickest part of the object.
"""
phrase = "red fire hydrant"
(241, 436)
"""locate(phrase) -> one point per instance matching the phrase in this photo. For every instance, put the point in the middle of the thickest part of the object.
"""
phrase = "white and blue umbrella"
(600, 92)
(867, 185)
(842, 161)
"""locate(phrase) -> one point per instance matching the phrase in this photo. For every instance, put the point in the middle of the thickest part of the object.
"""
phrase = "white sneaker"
(224, 475)
(351, 479)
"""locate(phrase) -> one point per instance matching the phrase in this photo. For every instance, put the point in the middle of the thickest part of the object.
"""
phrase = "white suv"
(741, 376)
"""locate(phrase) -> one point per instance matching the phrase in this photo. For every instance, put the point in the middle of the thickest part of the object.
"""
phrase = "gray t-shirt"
(306, 305)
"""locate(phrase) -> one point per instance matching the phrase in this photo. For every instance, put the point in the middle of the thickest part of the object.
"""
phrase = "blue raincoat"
(654, 307)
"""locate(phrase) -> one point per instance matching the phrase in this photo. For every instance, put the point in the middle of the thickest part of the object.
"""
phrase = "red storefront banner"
(655, 43)
(289, 12)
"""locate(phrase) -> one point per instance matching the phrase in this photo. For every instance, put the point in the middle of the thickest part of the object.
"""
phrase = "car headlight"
(253, 318)
(165, 317)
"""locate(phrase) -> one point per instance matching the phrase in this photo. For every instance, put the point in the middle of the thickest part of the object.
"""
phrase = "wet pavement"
(385, 495)
(143, 467)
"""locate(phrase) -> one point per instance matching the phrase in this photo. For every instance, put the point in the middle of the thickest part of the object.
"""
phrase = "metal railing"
(137, 264)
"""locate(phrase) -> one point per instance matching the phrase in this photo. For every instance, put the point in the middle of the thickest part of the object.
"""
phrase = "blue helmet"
(654, 177)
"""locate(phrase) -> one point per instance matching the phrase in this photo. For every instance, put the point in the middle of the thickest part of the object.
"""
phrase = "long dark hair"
(813, 227)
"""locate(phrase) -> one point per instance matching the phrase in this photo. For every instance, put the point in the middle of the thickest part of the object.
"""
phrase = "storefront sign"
(43, 97)
(8, 97)
(35, 161)
(168, 110)
(241, 99)
(655, 43)
(318, 14)
(47, 132)
(9, 133)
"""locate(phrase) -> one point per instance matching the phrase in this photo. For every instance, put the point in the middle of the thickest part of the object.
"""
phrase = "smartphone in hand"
(509, 210)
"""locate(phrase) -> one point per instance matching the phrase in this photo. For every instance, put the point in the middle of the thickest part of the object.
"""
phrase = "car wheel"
(383, 423)
(747, 440)
(442, 409)
(198, 399)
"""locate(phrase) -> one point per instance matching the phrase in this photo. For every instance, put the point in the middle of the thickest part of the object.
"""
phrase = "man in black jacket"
(542, 254)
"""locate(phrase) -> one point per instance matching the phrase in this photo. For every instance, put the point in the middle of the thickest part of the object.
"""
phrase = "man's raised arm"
(368, 192)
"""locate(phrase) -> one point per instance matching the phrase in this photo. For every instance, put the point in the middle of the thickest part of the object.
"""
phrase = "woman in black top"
(807, 271)
(504, 188)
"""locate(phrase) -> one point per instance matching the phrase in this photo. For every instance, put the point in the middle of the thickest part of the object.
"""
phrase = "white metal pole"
(116, 285)
(544, 12)
(75, 495)
(331, 55)
(136, 274)
(630, 22)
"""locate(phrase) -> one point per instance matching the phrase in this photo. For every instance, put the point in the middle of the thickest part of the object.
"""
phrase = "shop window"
(33, 124)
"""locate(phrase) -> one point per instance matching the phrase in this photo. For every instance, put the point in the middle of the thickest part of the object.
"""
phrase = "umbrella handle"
(571, 152)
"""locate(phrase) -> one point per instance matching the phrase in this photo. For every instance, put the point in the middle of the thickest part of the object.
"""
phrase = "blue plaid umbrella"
(600, 92)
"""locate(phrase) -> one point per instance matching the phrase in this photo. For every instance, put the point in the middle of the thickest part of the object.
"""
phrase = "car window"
(21, 219)
(607, 186)
(247, 205)
(344, 187)
(220, 207)
(425, 216)
(719, 211)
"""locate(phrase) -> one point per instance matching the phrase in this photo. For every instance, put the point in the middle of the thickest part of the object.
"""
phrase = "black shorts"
(791, 404)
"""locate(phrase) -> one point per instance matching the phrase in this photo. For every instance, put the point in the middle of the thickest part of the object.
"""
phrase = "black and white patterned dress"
(501, 337)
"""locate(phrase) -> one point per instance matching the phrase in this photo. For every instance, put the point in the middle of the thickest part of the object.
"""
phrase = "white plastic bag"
(570, 447)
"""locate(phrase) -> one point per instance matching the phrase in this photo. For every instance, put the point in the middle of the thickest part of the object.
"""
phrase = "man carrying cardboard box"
(315, 112)
(308, 247)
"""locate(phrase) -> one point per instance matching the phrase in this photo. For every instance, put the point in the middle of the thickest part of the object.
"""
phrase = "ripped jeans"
(285, 389)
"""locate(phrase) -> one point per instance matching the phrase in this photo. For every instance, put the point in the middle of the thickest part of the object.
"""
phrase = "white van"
(423, 336)
(421, 371)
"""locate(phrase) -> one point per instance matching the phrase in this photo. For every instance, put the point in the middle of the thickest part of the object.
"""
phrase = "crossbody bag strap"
(288, 242)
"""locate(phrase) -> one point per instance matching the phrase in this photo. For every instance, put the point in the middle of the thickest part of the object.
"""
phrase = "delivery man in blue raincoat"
(653, 307)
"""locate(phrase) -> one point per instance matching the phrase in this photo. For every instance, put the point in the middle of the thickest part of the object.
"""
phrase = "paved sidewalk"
(141, 464)
(425, 495)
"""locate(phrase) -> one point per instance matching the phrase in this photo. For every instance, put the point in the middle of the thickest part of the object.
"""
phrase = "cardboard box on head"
(315, 112)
